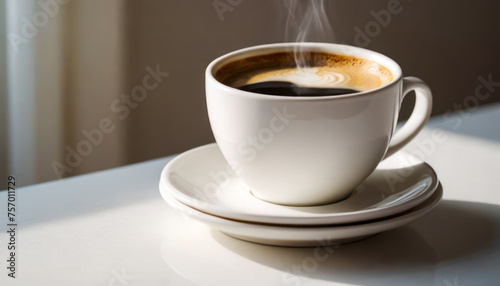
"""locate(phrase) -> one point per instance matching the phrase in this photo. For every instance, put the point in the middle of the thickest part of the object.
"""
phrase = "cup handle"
(419, 116)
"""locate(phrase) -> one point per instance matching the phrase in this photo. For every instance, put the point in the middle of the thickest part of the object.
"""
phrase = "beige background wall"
(106, 46)
(446, 43)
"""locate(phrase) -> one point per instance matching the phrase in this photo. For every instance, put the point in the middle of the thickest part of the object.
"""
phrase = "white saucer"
(303, 236)
(195, 178)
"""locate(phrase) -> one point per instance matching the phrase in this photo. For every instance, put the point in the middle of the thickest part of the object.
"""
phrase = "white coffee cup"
(311, 150)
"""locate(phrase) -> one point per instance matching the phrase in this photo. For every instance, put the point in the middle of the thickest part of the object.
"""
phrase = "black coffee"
(327, 74)
(284, 88)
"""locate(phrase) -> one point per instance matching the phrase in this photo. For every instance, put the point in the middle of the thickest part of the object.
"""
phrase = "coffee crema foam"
(324, 77)
(325, 71)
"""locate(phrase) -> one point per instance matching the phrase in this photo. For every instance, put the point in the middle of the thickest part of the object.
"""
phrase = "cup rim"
(341, 49)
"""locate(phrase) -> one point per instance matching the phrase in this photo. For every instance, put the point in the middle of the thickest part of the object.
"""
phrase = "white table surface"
(113, 228)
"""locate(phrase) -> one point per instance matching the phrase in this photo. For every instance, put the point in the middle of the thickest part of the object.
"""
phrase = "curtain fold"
(64, 68)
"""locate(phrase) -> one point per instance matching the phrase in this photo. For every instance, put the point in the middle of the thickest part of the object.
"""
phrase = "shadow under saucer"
(458, 241)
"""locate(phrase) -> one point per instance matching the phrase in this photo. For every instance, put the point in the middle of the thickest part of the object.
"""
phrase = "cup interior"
(226, 69)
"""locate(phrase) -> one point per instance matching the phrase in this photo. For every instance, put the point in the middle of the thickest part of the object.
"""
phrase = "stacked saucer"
(202, 185)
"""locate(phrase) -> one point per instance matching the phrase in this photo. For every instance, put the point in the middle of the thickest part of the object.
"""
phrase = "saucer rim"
(295, 236)
(341, 218)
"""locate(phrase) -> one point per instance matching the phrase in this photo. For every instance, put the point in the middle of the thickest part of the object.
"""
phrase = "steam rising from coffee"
(307, 72)
(307, 22)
